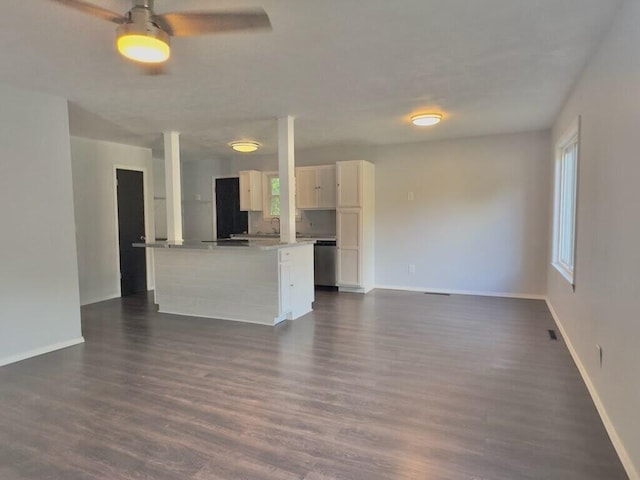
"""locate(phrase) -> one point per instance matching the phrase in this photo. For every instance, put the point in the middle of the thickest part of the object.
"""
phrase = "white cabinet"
(306, 191)
(326, 179)
(350, 183)
(296, 291)
(286, 286)
(348, 234)
(316, 187)
(355, 225)
(250, 190)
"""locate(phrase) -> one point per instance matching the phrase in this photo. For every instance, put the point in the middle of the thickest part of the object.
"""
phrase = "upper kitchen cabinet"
(350, 180)
(250, 190)
(316, 187)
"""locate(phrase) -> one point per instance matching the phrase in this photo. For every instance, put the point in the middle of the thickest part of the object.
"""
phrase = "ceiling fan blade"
(183, 24)
(94, 10)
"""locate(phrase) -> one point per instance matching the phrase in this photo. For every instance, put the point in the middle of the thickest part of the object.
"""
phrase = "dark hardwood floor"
(391, 385)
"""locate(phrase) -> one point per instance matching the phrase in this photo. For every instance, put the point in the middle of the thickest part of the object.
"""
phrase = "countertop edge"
(255, 245)
(301, 238)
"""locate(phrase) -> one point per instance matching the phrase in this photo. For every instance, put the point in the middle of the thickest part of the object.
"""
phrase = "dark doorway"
(133, 262)
(229, 218)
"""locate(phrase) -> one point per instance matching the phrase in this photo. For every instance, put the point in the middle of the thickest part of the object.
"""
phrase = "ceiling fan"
(143, 36)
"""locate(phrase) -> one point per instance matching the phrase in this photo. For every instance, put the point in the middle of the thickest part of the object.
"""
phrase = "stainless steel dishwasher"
(324, 263)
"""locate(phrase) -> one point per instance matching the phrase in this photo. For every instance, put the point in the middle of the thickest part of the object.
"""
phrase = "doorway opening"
(131, 229)
(228, 217)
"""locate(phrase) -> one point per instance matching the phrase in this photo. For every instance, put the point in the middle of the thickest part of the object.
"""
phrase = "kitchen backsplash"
(311, 222)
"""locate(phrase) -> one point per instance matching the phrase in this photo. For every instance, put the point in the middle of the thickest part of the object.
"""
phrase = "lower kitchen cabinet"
(349, 235)
(348, 267)
(286, 283)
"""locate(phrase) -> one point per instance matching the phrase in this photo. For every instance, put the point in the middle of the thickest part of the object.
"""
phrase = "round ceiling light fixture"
(245, 146)
(426, 119)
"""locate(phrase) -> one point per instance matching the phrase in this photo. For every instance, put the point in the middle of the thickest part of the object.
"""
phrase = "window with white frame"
(271, 195)
(566, 189)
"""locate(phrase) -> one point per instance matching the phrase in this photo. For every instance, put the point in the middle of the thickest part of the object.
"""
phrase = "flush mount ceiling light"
(245, 146)
(426, 119)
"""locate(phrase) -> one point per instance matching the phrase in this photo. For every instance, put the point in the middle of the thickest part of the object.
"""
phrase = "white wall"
(39, 305)
(93, 164)
(605, 308)
(197, 198)
(478, 218)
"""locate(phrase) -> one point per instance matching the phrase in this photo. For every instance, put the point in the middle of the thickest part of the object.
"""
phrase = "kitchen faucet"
(276, 230)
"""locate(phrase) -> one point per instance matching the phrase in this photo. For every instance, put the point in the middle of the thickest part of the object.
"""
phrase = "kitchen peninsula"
(255, 281)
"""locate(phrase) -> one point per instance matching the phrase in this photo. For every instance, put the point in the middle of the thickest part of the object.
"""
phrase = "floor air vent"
(553, 335)
(438, 293)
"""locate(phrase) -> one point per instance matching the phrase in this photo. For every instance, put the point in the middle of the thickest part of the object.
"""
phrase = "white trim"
(627, 463)
(524, 296)
(148, 229)
(564, 271)
(40, 351)
(570, 135)
(344, 289)
(572, 130)
(276, 320)
(99, 299)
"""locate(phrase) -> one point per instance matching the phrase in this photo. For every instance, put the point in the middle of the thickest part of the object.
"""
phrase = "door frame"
(215, 205)
(148, 223)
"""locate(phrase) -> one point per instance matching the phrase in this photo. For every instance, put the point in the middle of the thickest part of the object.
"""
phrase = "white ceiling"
(350, 71)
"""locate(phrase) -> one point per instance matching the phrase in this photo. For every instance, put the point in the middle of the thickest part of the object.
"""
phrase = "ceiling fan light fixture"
(245, 146)
(426, 119)
(149, 45)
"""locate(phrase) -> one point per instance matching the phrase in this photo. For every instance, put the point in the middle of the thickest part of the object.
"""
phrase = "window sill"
(567, 274)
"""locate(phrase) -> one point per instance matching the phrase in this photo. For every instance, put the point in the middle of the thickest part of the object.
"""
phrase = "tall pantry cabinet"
(355, 198)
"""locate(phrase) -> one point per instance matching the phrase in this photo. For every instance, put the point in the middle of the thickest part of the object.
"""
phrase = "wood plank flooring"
(392, 385)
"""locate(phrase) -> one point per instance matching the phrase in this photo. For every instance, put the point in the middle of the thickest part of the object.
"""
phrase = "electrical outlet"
(410, 196)
(412, 268)
(599, 348)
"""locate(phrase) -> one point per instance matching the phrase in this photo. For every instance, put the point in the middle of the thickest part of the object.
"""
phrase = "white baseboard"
(40, 351)
(608, 425)
(352, 290)
(269, 323)
(525, 296)
(99, 299)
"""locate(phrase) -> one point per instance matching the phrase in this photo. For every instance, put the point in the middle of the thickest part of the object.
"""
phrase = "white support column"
(173, 185)
(286, 168)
